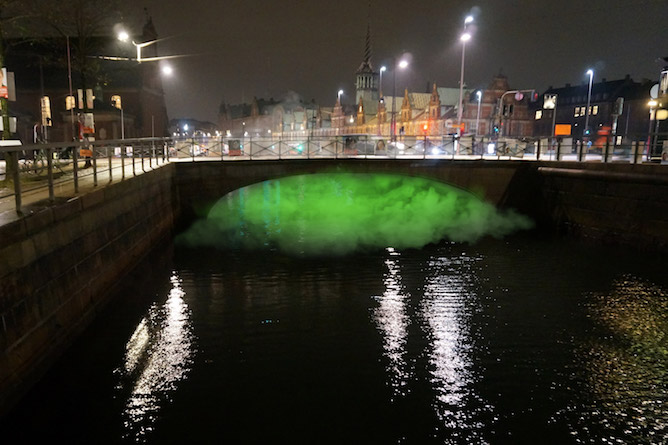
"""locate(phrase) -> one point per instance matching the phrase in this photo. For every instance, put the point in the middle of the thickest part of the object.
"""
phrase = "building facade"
(126, 99)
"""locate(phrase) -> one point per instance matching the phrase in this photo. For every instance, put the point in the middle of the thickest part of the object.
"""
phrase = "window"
(539, 114)
(69, 102)
(576, 113)
(116, 101)
(594, 110)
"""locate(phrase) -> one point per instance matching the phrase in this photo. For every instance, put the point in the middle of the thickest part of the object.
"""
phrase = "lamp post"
(591, 78)
(382, 69)
(465, 37)
(123, 36)
(402, 64)
(380, 97)
(652, 104)
(477, 118)
(586, 126)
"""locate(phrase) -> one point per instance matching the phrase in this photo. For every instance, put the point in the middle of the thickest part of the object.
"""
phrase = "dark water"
(517, 341)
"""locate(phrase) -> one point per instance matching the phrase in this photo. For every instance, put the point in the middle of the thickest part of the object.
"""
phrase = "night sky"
(247, 48)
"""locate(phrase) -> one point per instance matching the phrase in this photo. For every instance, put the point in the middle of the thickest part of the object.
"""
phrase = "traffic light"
(534, 96)
(496, 129)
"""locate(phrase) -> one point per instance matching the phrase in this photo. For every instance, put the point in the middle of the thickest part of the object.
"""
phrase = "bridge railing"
(34, 173)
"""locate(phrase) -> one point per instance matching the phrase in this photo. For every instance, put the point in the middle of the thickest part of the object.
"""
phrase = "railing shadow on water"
(36, 172)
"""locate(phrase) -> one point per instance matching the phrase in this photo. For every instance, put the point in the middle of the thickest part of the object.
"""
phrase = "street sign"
(562, 130)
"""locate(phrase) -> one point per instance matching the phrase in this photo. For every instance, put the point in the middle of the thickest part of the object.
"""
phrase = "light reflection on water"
(158, 356)
(626, 367)
(448, 304)
(391, 318)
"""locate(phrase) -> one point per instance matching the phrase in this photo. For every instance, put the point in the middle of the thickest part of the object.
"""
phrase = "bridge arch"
(202, 183)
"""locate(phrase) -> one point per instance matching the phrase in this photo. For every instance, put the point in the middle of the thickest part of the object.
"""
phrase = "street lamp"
(586, 126)
(591, 78)
(402, 64)
(382, 69)
(652, 104)
(338, 95)
(477, 118)
(464, 38)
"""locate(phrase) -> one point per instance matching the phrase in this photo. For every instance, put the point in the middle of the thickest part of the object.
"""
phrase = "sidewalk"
(35, 190)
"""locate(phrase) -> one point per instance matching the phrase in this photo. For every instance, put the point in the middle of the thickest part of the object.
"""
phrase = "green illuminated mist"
(338, 213)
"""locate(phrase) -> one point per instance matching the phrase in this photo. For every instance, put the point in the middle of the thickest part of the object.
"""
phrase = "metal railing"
(39, 170)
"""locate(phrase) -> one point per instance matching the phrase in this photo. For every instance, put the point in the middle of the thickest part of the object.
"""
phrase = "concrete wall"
(615, 204)
(57, 265)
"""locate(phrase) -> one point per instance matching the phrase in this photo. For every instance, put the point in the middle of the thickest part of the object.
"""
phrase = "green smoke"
(338, 213)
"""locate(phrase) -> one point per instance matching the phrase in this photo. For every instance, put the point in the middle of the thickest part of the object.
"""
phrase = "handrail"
(94, 162)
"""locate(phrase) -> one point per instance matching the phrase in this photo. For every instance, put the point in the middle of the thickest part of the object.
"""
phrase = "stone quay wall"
(58, 265)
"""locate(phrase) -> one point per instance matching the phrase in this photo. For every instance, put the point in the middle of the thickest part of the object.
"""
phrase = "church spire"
(367, 47)
(366, 66)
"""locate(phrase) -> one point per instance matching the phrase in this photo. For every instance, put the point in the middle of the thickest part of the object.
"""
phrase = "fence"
(39, 170)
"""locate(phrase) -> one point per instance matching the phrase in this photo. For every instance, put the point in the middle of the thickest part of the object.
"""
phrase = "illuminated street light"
(393, 124)
(338, 95)
(465, 37)
(123, 36)
(591, 79)
(167, 70)
(382, 69)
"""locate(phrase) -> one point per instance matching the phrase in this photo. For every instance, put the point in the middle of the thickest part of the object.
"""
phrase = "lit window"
(539, 114)
(69, 102)
(576, 113)
(116, 101)
(594, 110)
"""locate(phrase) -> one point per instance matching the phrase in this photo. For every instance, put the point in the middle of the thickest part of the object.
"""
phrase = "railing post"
(49, 172)
(134, 155)
(109, 159)
(94, 165)
(250, 148)
(75, 168)
(142, 158)
(165, 153)
(192, 148)
(538, 150)
(14, 161)
(123, 161)
(607, 147)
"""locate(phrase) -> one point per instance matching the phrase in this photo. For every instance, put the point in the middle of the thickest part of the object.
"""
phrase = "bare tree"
(82, 23)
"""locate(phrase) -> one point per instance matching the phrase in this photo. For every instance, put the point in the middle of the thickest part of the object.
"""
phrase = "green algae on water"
(339, 213)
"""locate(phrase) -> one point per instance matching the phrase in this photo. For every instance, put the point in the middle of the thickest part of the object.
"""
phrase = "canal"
(520, 340)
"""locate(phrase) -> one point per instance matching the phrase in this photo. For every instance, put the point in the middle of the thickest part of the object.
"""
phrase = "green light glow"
(338, 213)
